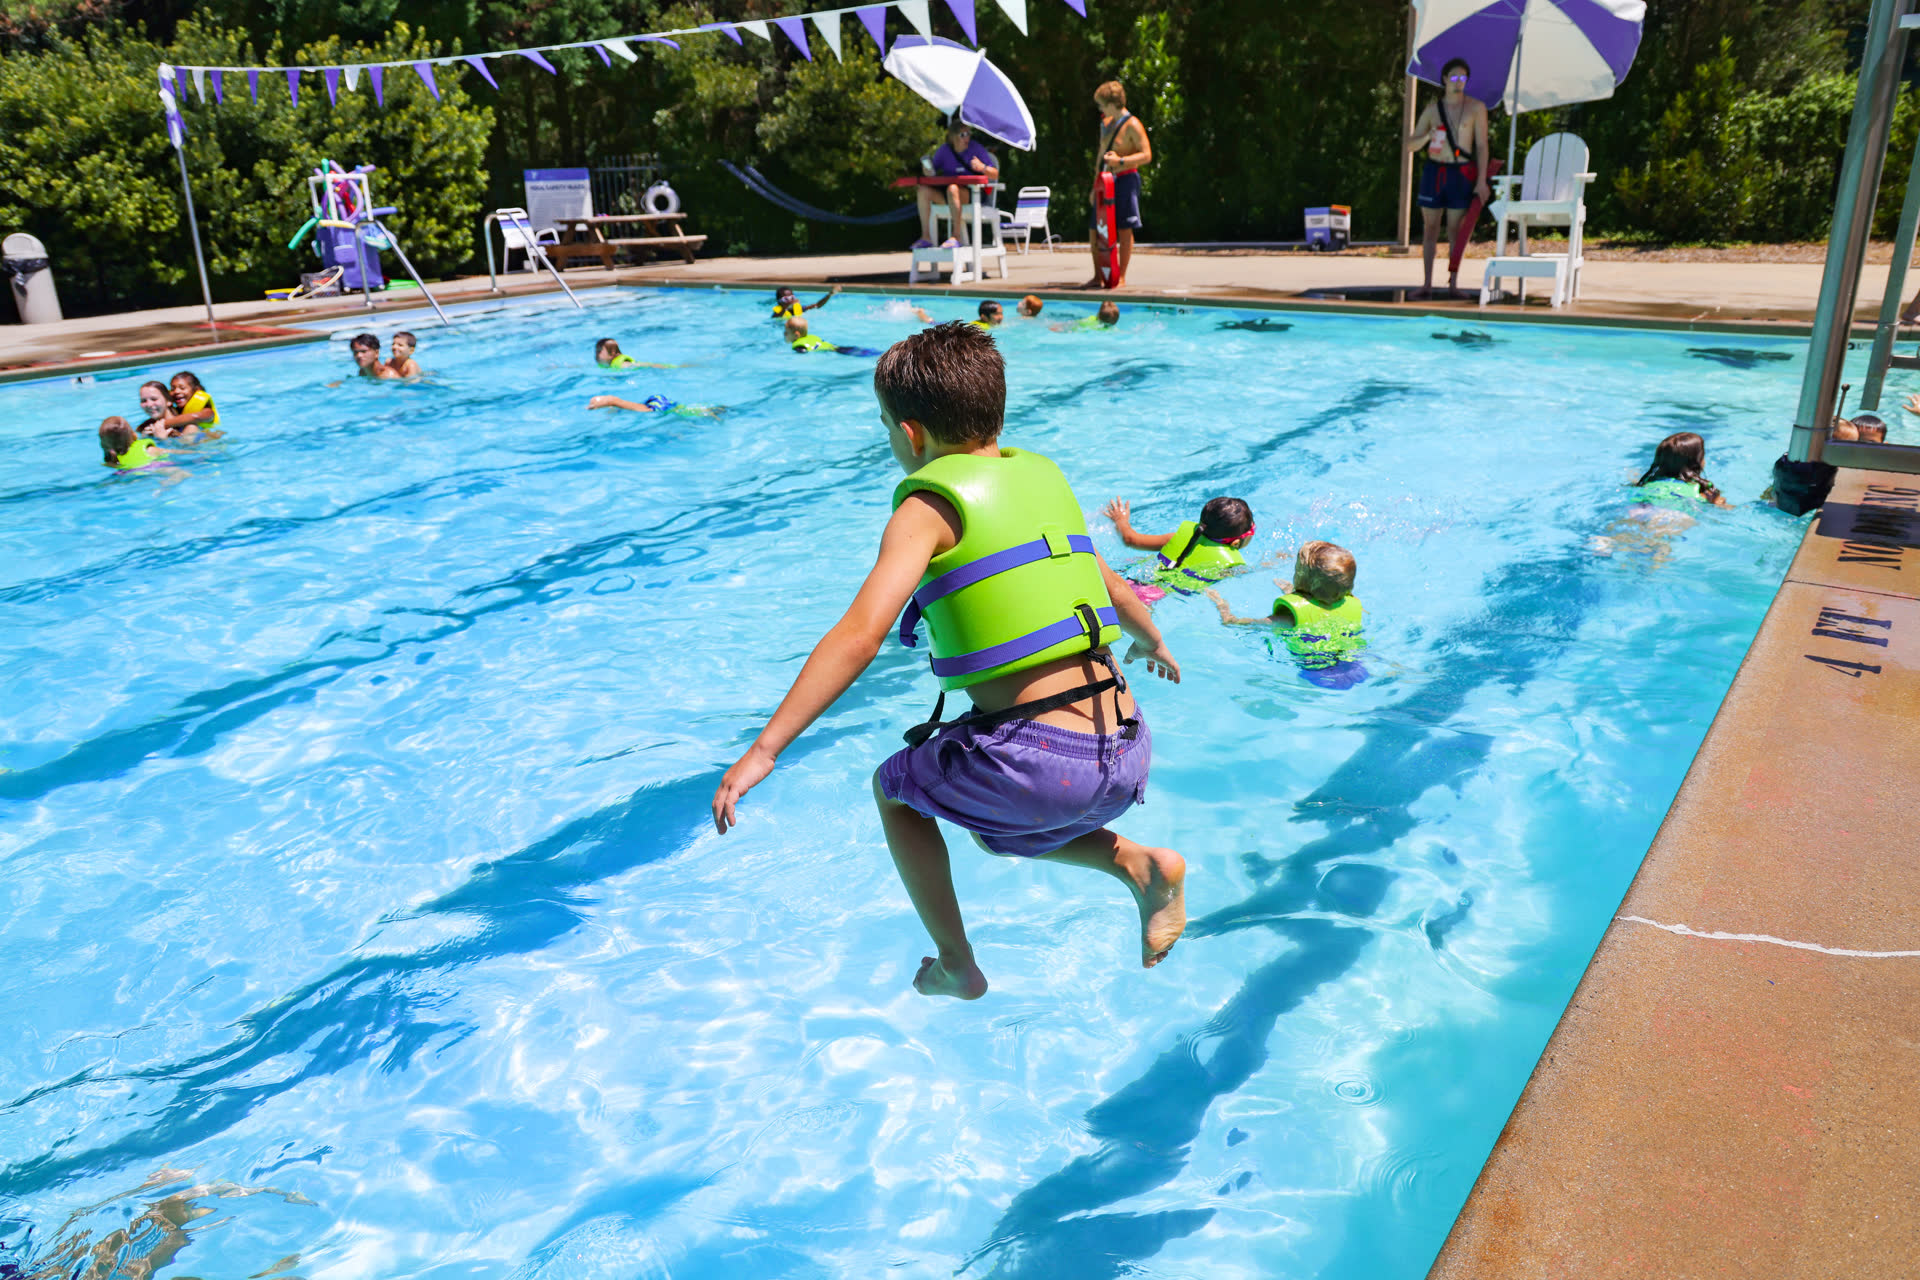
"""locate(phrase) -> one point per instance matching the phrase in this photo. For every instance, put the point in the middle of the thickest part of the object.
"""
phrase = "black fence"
(619, 182)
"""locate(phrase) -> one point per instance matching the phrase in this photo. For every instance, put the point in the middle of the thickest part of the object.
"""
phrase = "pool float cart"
(348, 235)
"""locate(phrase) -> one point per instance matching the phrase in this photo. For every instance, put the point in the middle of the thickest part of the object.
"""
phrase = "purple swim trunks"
(1023, 787)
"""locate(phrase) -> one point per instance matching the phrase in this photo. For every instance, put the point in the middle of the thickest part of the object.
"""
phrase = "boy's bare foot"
(1094, 283)
(962, 982)
(1163, 905)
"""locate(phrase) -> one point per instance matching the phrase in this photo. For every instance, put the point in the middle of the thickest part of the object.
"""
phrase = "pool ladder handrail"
(360, 226)
(538, 251)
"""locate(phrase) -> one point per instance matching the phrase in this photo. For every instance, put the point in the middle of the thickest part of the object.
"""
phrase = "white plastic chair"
(1552, 193)
(1029, 215)
(515, 227)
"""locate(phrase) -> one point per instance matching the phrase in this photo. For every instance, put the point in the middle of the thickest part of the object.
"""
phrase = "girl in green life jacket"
(1318, 616)
(122, 450)
(1194, 554)
(1676, 478)
(607, 354)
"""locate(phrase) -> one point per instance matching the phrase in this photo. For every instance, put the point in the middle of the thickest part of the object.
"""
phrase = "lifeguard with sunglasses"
(1453, 130)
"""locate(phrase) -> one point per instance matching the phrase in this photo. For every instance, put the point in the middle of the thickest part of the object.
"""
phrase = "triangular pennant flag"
(534, 56)
(828, 25)
(426, 74)
(253, 85)
(963, 14)
(377, 75)
(1078, 6)
(915, 11)
(219, 96)
(479, 64)
(671, 44)
(293, 84)
(180, 85)
(758, 27)
(606, 59)
(1016, 11)
(620, 47)
(724, 28)
(874, 19)
(795, 29)
(200, 83)
(353, 76)
(333, 85)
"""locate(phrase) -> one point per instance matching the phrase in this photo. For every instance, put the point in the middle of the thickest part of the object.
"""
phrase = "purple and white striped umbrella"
(955, 78)
(1529, 54)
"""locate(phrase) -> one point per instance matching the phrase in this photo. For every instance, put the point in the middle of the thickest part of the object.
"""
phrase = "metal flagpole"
(177, 134)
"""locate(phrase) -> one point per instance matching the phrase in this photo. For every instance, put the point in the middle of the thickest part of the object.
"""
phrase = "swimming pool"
(360, 888)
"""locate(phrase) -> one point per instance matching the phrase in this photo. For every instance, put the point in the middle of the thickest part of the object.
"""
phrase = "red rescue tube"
(1106, 224)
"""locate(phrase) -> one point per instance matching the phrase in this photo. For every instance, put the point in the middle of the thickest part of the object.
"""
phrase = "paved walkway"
(1775, 297)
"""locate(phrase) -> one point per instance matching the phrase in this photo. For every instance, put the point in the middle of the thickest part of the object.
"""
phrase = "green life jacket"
(140, 453)
(622, 361)
(1206, 560)
(1681, 495)
(1022, 587)
(1319, 631)
(1087, 324)
(811, 343)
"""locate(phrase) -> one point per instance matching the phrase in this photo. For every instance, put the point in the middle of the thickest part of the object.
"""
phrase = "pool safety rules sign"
(557, 193)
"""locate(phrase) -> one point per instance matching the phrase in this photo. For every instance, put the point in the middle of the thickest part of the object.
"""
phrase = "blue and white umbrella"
(1528, 55)
(955, 78)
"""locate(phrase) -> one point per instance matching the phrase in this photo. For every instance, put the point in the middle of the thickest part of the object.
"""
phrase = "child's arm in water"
(615, 402)
(1120, 513)
(920, 529)
(1231, 619)
(1137, 621)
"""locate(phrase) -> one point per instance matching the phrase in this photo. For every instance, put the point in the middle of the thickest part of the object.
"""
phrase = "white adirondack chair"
(1030, 215)
(1551, 192)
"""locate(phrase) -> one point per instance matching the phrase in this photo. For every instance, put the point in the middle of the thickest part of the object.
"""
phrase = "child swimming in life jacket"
(1318, 615)
(987, 544)
(656, 404)
(1676, 479)
(607, 354)
(192, 406)
(786, 305)
(122, 450)
(1105, 318)
(1195, 554)
(401, 361)
(803, 342)
(990, 317)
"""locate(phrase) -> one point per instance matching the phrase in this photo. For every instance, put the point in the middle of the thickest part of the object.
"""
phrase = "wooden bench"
(585, 237)
(685, 244)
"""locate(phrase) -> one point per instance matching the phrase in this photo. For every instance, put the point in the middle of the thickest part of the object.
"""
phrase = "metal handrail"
(360, 227)
(537, 250)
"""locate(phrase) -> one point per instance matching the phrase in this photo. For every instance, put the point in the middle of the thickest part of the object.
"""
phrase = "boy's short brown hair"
(1330, 570)
(1112, 92)
(948, 378)
(364, 340)
(116, 436)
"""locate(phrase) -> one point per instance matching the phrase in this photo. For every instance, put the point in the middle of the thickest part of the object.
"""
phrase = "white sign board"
(557, 193)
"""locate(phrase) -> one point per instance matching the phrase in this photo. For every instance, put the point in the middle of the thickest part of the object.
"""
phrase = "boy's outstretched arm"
(1137, 621)
(1227, 615)
(1119, 511)
(920, 529)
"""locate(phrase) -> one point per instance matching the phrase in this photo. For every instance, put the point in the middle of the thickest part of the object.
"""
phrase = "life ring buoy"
(661, 198)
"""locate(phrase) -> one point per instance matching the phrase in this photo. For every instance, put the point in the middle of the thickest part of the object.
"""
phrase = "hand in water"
(745, 774)
(1121, 513)
(1159, 661)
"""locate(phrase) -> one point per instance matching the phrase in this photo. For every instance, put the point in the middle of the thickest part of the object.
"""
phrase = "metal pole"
(1852, 218)
(193, 226)
(1408, 108)
(1513, 99)
(1896, 286)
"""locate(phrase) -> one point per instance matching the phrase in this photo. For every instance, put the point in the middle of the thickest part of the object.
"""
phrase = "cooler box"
(1328, 228)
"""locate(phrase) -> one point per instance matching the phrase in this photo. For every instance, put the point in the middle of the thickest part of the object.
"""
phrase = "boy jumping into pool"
(989, 546)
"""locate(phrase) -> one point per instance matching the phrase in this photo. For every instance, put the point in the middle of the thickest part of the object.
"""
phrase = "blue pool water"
(361, 907)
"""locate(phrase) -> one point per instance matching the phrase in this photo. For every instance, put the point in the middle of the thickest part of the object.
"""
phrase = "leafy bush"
(95, 178)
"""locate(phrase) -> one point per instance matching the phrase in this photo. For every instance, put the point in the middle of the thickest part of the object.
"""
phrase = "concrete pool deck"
(1734, 1087)
(1738, 298)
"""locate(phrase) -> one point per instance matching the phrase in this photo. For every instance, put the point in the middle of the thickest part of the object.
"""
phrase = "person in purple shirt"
(959, 156)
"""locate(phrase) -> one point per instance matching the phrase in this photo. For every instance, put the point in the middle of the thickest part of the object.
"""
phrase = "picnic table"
(587, 237)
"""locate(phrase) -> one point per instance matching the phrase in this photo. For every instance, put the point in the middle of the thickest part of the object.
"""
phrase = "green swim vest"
(1022, 587)
(622, 361)
(1088, 323)
(1318, 630)
(140, 453)
(811, 343)
(1209, 561)
(1681, 495)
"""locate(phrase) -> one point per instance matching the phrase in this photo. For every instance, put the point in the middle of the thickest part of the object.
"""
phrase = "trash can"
(24, 260)
(1329, 226)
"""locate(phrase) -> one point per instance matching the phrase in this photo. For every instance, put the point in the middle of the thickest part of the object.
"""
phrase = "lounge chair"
(1029, 215)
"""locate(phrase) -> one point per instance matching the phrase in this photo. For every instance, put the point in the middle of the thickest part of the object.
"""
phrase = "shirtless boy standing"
(1123, 151)
(1454, 132)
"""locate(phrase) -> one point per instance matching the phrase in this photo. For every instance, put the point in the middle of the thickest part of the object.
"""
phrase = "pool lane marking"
(1717, 936)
